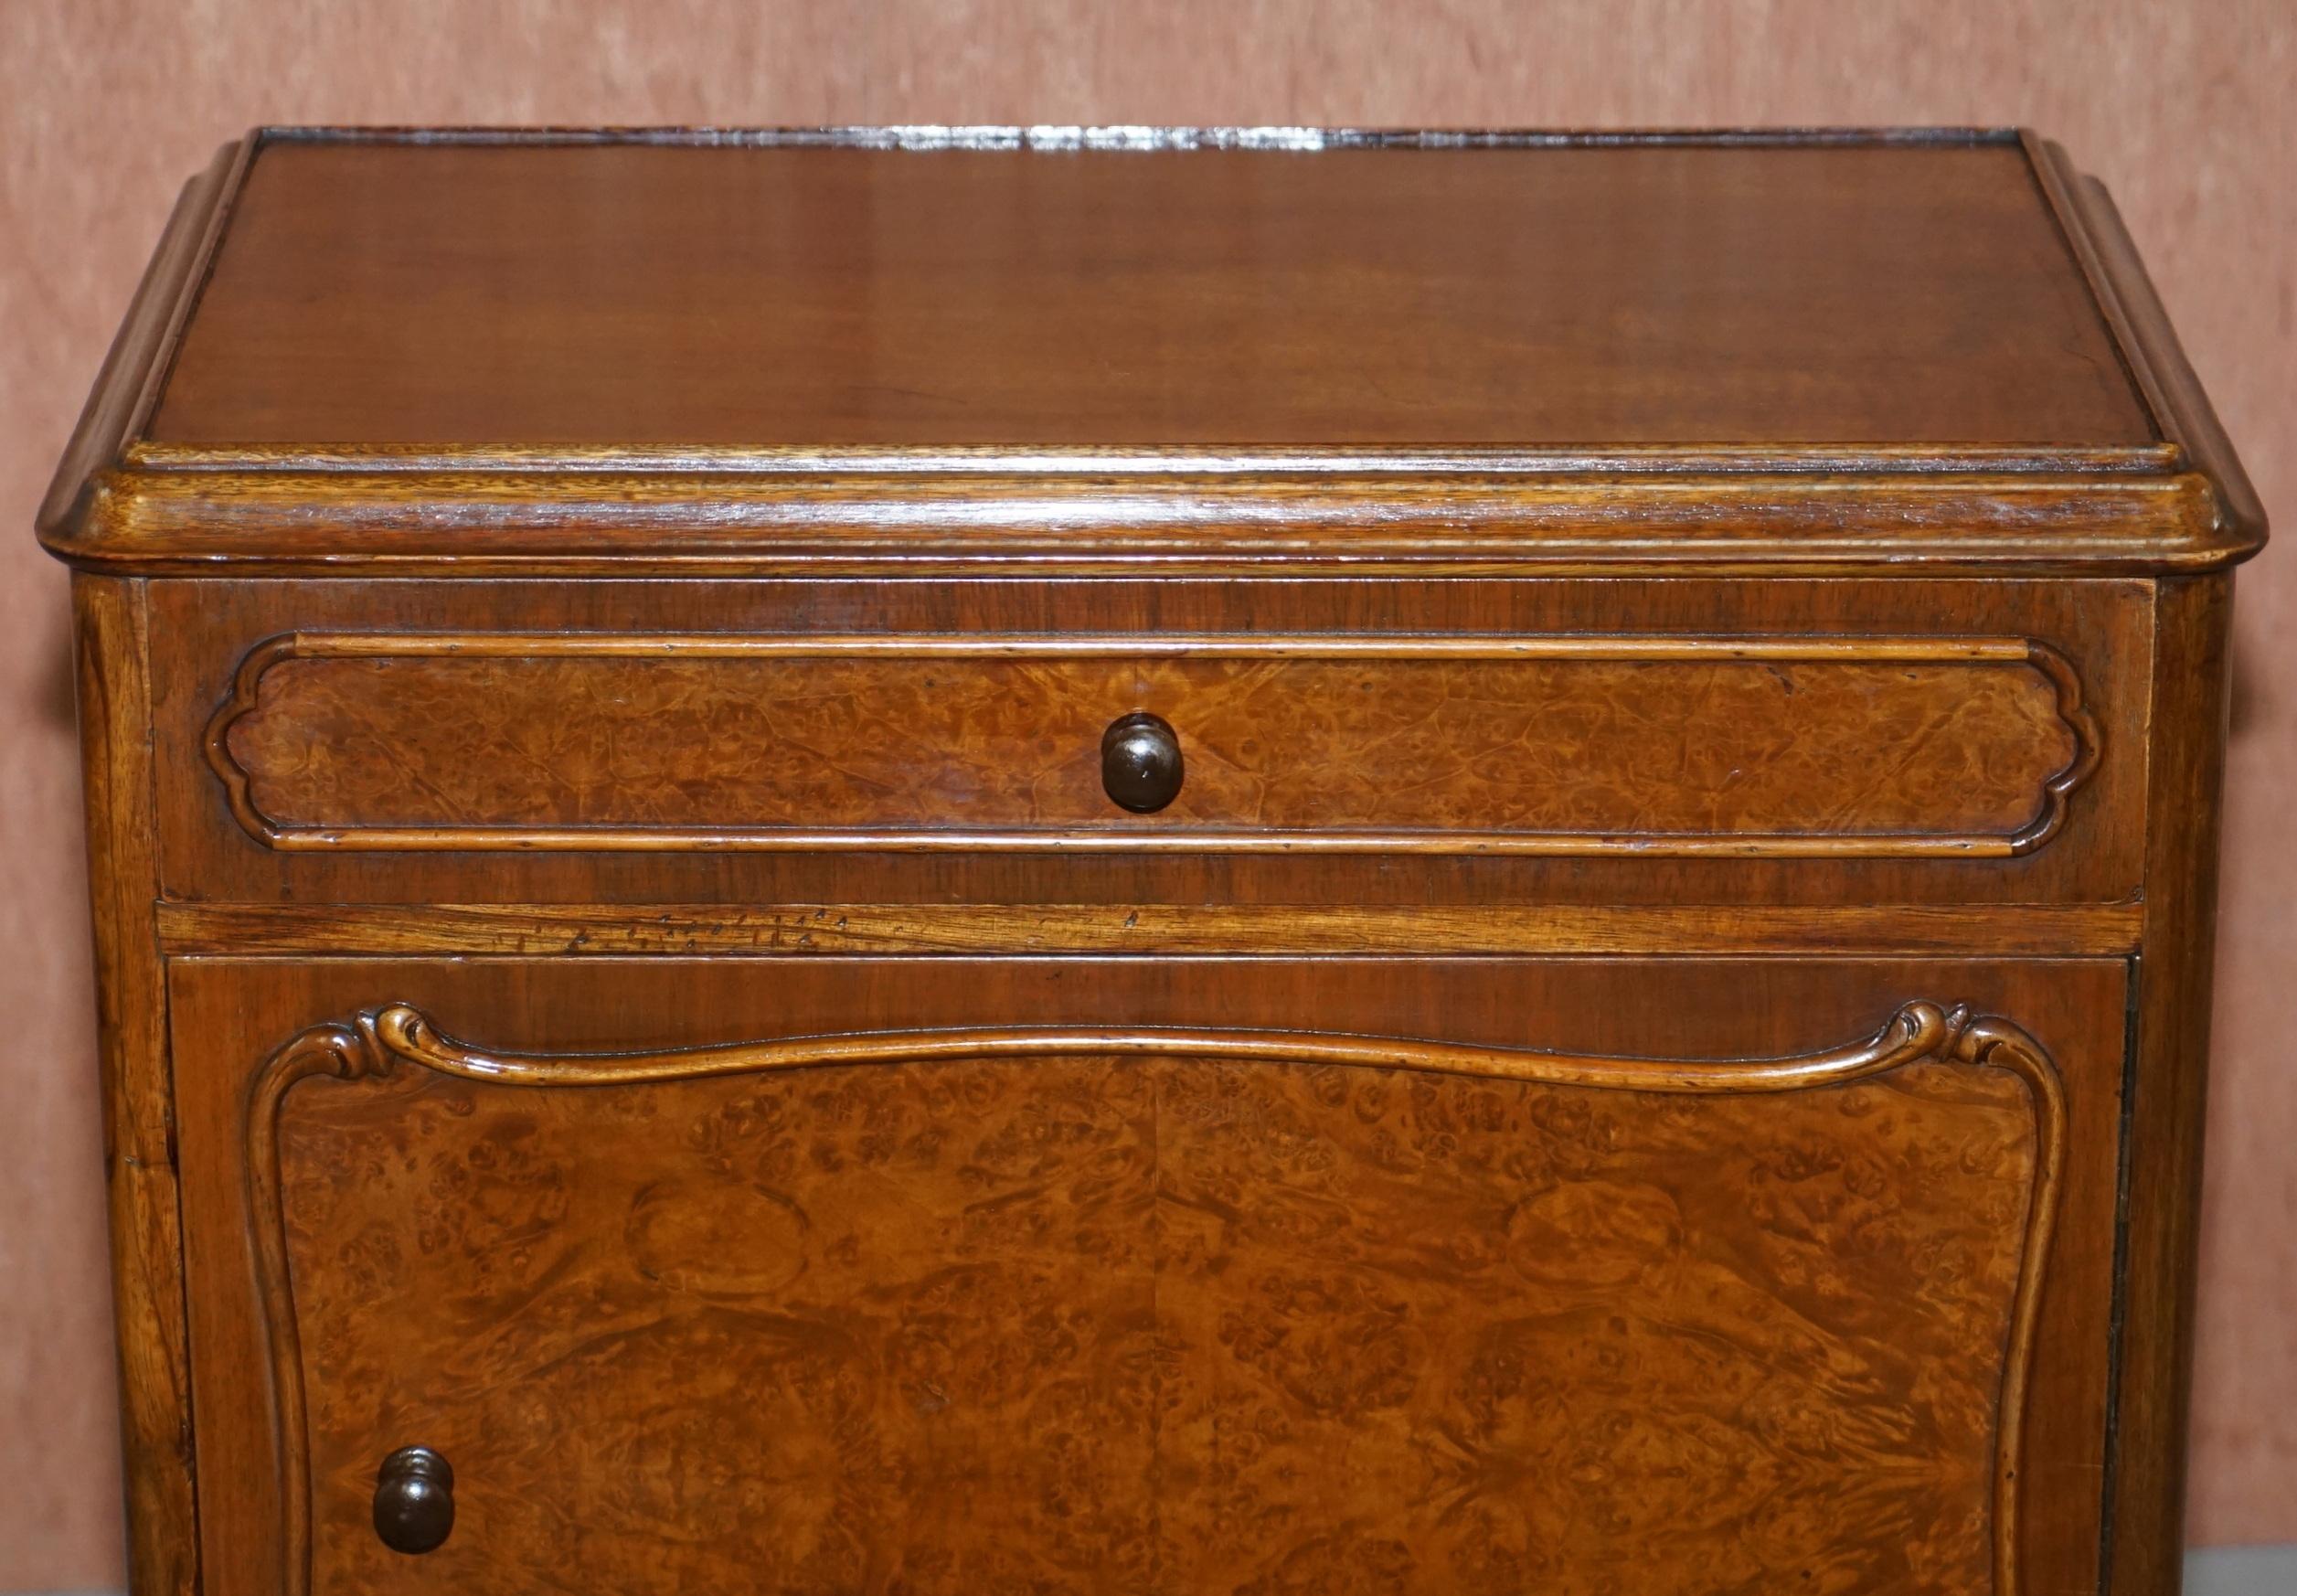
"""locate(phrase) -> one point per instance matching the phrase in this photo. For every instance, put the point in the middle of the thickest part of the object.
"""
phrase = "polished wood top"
(1110, 352)
(640, 293)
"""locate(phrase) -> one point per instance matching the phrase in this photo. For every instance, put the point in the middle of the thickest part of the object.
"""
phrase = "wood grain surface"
(937, 296)
(1654, 746)
(228, 1014)
(1632, 420)
(147, 1241)
(206, 632)
(537, 929)
(1165, 1311)
(2183, 111)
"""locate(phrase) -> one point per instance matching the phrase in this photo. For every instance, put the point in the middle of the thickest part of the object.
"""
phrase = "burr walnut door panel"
(1116, 1279)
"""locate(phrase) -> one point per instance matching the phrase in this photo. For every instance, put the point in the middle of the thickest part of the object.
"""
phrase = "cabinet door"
(1171, 1276)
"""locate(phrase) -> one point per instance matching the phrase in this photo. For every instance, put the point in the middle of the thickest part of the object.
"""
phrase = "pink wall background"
(2189, 112)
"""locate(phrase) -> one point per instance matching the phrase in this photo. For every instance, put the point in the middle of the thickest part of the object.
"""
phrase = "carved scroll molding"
(384, 1041)
(462, 792)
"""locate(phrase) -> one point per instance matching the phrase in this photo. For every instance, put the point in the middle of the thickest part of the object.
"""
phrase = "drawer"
(1167, 1276)
(1561, 732)
(1857, 747)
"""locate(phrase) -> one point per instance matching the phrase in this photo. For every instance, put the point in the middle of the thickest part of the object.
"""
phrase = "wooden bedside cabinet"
(939, 861)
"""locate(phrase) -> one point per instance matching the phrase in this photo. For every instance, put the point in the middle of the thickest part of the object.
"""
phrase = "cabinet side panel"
(139, 1124)
(2185, 756)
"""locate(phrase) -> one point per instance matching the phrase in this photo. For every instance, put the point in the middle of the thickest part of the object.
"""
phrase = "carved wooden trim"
(380, 1041)
(485, 519)
(2043, 659)
(346, 1053)
(2059, 670)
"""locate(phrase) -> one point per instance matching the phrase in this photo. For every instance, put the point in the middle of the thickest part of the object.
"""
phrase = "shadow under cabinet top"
(925, 351)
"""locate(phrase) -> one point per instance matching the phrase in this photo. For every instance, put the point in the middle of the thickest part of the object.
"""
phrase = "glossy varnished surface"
(1509, 447)
(1064, 1320)
(1863, 747)
(639, 294)
(1401, 1206)
(828, 930)
(147, 1236)
(852, 354)
(1921, 747)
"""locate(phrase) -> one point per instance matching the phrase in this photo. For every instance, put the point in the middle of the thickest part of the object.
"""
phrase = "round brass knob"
(1140, 762)
(414, 1500)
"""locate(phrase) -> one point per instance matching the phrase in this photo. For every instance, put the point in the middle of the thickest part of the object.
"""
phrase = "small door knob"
(1140, 762)
(414, 1500)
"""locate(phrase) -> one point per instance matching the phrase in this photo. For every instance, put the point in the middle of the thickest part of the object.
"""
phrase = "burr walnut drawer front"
(1740, 744)
(845, 1275)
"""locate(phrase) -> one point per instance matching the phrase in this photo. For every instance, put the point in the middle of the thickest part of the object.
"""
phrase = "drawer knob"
(1140, 762)
(414, 1500)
